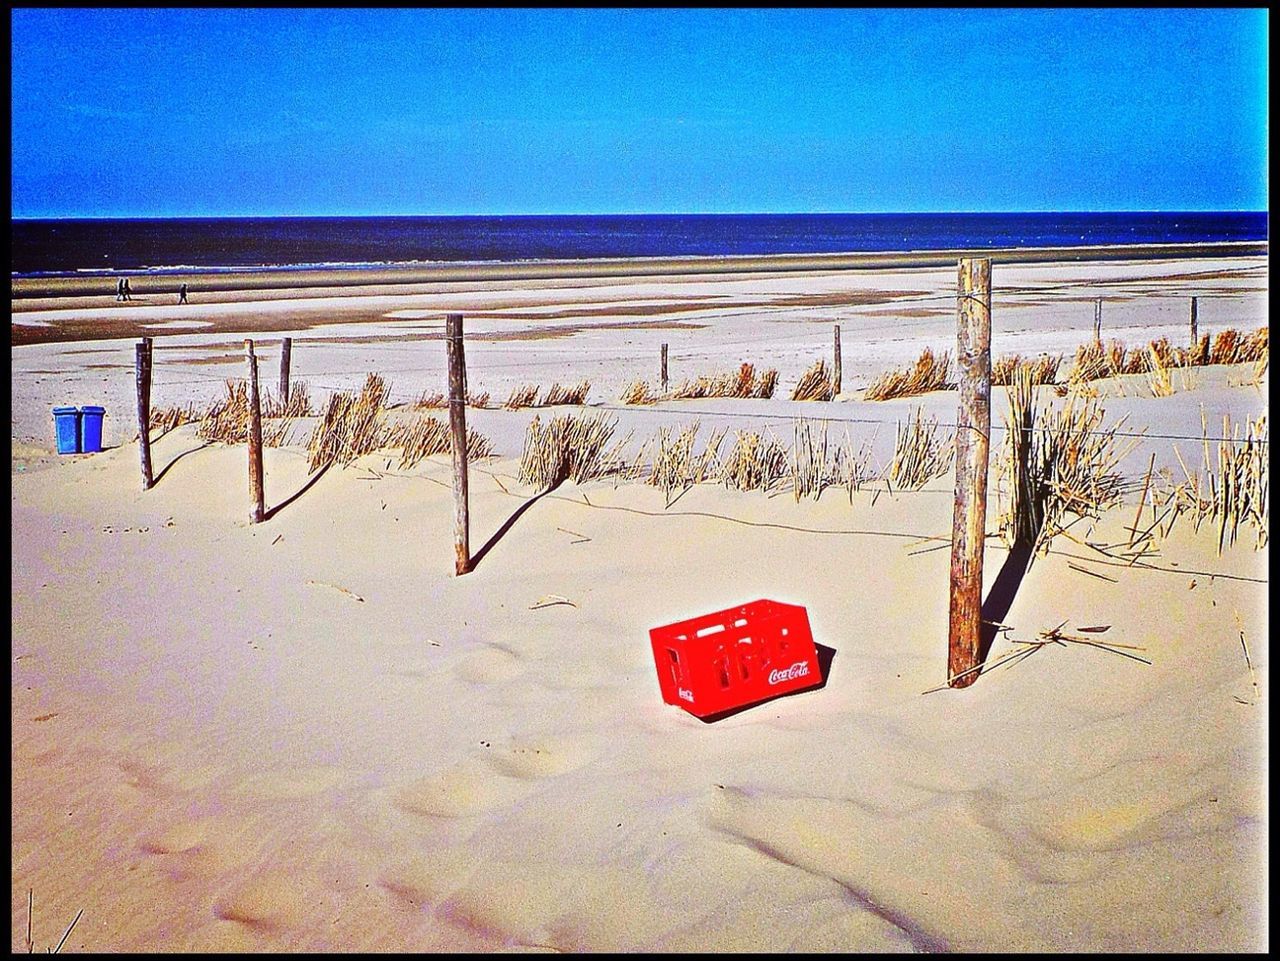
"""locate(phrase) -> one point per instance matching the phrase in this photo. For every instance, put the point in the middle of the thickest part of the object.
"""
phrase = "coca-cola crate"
(735, 657)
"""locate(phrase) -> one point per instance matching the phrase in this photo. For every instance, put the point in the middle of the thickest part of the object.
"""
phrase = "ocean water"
(62, 247)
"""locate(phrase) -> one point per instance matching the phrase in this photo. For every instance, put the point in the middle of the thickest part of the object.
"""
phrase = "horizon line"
(633, 213)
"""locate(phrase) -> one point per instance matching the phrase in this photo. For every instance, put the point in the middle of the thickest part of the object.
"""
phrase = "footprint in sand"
(540, 758)
(204, 848)
(489, 665)
(177, 839)
(418, 670)
(159, 778)
(265, 903)
(427, 878)
(467, 789)
(149, 778)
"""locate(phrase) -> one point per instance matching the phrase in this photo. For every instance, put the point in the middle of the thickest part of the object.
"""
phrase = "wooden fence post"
(458, 437)
(142, 385)
(257, 508)
(286, 349)
(835, 389)
(1097, 321)
(664, 368)
(1195, 329)
(973, 426)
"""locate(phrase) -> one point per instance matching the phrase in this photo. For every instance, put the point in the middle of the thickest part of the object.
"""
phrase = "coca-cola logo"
(687, 695)
(798, 669)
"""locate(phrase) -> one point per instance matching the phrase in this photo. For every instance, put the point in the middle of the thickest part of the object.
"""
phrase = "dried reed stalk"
(436, 400)
(572, 394)
(853, 467)
(523, 396)
(227, 420)
(742, 384)
(299, 404)
(570, 446)
(1232, 492)
(928, 373)
(1159, 380)
(815, 384)
(1255, 346)
(919, 454)
(1093, 361)
(675, 465)
(637, 392)
(425, 436)
(706, 385)
(767, 384)
(1063, 462)
(810, 466)
(1225, 348)
(1026, 501)
(754, 463)
(1044, 369)
(352, 425)
(165, 419)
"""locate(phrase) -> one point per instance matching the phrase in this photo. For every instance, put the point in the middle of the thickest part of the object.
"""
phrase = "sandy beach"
(310, 735)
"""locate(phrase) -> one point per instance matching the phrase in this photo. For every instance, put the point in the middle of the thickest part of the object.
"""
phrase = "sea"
(43, 248)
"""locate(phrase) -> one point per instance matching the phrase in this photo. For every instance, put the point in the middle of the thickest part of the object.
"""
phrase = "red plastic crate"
(735, 657)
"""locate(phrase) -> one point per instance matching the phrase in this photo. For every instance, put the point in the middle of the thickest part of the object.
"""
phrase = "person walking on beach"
(182, 294)
(119, 288)
(125, 289)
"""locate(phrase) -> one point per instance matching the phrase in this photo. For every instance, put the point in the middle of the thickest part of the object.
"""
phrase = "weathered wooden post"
(1097, 321)
(286, 349)
(142, 385)
(835, 387)
(1195, 328)
(664, 368)
(973, 426)
(458, 437)
(257, 507)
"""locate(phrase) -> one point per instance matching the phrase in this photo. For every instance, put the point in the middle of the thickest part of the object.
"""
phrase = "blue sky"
(186, 112)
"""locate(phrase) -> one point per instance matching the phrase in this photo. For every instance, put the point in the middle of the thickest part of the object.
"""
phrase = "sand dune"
(310, 735)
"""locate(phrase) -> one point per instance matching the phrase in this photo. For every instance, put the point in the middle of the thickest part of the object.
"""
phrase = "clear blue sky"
(185, 112)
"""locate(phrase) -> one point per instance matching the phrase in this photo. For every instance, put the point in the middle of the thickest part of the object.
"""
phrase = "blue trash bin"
(66, 427)
(91, 429)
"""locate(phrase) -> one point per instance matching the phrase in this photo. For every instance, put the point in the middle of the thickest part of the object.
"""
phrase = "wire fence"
(844, 306)
(170, 377)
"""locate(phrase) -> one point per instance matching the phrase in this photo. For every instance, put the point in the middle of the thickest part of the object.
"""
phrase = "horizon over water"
(77, 246)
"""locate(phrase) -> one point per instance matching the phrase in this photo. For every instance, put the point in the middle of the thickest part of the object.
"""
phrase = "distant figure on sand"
(182, 294)
(120, 288)
(127, 295)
